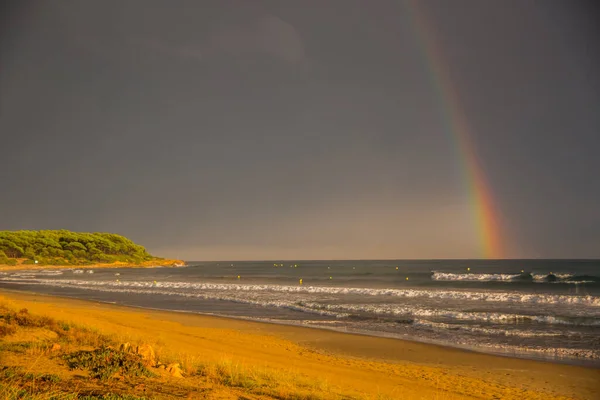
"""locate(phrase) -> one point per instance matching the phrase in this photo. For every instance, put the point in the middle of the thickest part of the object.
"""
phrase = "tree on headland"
(62, 247)
(5, 260)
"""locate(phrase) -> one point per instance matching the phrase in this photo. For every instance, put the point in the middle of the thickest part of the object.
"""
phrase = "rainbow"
(485, 214)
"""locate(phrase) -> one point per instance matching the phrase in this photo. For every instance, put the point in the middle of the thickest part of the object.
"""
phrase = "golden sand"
(357, 364)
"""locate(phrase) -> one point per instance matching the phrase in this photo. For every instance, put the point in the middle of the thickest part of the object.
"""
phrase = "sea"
(540, 309)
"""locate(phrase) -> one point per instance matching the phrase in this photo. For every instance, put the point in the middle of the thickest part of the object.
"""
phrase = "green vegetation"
(104, 363)
(62, 247)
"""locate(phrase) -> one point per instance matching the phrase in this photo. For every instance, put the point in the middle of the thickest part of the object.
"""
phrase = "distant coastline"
(57, 249)
(158, 262)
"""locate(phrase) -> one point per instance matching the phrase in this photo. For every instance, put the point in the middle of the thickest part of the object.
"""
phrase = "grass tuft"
(105, 363)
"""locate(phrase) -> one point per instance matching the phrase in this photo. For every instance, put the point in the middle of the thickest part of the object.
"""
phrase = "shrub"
(105, 362)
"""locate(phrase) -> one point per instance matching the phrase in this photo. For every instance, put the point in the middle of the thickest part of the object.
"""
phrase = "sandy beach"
(358, 365)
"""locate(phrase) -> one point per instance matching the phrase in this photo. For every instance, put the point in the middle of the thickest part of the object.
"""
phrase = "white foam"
(472, 277)
(544, 277)
(488, 296)
(34, 273)
(447, 276)
(491, 331)
(556, 352)
(494, 317)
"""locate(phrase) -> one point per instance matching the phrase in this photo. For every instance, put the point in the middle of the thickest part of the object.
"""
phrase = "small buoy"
(407, 278)
(301, 281)
(330, 278)
(238, 277)
(468, 269)
(154, 283)
(117, 280)
(295, 265)
(396, 268)
(522, 271)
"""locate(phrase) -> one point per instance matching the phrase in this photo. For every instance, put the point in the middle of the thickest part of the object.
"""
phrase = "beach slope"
(227, 358)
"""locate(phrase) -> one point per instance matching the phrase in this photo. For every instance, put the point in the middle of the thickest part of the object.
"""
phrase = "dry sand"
(359, 364)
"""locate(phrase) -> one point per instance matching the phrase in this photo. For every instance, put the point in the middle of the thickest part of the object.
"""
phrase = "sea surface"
(543, 309)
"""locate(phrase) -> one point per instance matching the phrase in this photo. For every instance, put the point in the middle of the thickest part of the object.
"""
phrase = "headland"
(52, 249)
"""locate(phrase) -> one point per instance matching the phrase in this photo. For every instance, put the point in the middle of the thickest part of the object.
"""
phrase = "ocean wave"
(448, 276)
(552, 277)
(492, 331)
(28, 274)
(555, 352)
(487, 296)
(490, 317)
(524, 277)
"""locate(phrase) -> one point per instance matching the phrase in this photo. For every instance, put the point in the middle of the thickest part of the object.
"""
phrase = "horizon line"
(403, 259)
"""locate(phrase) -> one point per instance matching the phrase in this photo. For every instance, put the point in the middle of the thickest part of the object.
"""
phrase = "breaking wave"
(31, 274)
(447, 276)
(523, 277)
(493, 317)
(488, 296)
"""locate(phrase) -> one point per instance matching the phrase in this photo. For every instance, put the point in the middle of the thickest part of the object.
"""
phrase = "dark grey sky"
(279, 129)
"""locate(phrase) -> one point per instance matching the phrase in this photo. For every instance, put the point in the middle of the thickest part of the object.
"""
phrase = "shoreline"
(366, 355)
(528, 356)
(533, 354)
(149, 264)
